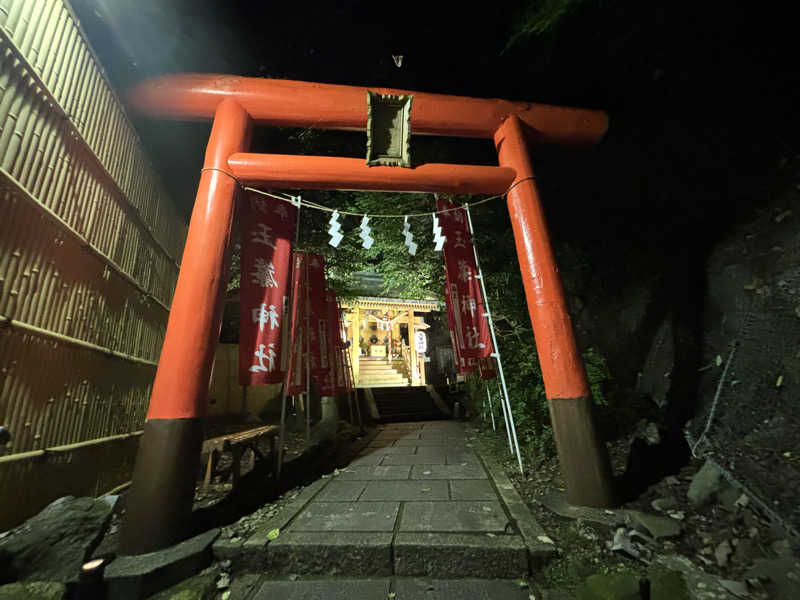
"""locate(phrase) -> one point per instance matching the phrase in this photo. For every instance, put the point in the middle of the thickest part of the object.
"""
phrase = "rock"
(671, 480)
(727, 496)
(33, 590)
(666, 583)
(557, 502)
(781, 548)
(627, 542)
(52, 545)
(224, 581)
(744, 552)
(737, 588)
(611, 586)
(651, 434)
(782, 575)
(722, 553)
(700, 585)
(199, 587)
(705, 484)
(742, 502)
(664, 504)
(656, 526)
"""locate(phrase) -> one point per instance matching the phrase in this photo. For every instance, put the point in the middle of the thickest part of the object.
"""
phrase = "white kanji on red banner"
(469, 322)
(268, 228)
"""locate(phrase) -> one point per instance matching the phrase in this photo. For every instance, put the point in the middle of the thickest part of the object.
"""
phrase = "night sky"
(701, 96)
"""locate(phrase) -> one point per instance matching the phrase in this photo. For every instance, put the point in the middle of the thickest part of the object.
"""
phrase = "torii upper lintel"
(288, 103)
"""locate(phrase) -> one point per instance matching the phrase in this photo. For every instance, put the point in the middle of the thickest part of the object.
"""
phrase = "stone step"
(387, 515)
(392, 384)
(407, 588)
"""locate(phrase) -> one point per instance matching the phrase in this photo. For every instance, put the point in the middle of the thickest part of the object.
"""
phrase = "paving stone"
(404, 491)
(462, 457)
(432, 450)
(242, 585)
(330, 553)
(532, 533)
(453, 554)
(397, 435)
(227, 549)
(448, 472)
(388, 450)
(380, 443)
(339, 491)
(480, 516)
(449, 589)
(429, 434)
(254, 549)
(368, 460)
(472, 489)
(366, 473)
(341, 589)
(347, 516)
(446, 442)
(414, 459)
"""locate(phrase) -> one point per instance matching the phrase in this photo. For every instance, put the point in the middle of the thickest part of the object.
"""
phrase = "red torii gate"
(160, 500)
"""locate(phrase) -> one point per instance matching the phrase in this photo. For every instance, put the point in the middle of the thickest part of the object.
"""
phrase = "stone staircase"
(377, 372)
(405, 404)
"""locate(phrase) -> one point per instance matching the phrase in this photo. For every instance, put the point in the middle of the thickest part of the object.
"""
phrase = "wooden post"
(355, 349)
(159, 504)
(583, 456)
(413, 349)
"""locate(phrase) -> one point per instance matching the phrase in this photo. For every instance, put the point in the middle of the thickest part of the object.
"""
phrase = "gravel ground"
(723, 538)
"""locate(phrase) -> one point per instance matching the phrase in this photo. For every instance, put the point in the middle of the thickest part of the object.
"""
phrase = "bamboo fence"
(90, 245)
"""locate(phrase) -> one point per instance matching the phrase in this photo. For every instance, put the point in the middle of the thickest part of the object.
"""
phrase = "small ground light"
(90, 584)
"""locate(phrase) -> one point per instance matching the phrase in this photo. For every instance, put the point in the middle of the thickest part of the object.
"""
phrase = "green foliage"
(527, 396)
(404, 275)
(541, 18)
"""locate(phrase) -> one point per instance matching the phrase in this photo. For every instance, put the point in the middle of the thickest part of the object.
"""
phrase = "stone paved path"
(383, 589)
(418, 501)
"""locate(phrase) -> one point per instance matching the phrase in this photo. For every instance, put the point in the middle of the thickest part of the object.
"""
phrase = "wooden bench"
(236, 444)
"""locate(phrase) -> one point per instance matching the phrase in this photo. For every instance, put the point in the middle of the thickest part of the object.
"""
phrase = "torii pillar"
(159, 504)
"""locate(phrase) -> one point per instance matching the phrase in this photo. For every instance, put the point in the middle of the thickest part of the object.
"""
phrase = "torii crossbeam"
(160, 500)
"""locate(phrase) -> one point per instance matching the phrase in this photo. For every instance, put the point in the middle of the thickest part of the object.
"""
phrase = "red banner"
(471, 327)
(463, 366)
(318, 317)
(267, 228)
(326, 377)
(344, 349)
(297, 366)
(488, 368)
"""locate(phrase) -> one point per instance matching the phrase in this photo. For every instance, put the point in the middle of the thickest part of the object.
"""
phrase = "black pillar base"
(158, 507)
